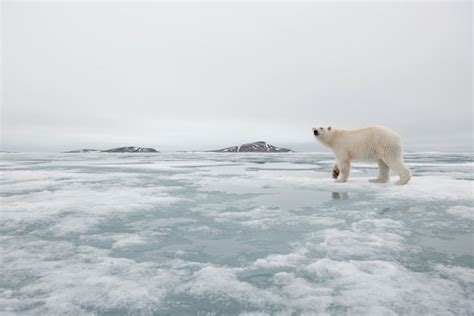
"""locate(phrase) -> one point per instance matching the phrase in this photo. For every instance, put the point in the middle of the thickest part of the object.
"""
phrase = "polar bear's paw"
(378, 180)
(340, 181)
(401, 181)
(335, 171)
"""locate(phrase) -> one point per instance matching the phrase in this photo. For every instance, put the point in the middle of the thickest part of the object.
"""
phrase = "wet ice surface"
(113, 234)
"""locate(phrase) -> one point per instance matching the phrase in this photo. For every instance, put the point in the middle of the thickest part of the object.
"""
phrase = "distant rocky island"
(83, 151)
(257, 147)
(130, 149)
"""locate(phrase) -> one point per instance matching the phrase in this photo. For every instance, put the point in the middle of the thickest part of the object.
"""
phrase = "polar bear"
(372, 144)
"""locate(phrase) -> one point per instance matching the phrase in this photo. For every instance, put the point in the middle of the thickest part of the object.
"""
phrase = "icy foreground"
(233, 234)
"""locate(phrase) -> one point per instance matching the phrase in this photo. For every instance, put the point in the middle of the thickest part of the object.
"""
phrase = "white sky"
(179, 76)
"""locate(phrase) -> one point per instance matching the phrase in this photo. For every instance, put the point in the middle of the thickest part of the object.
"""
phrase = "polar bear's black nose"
(316, 133)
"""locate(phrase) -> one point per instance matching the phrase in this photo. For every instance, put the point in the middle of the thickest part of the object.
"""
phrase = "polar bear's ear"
(329, 128)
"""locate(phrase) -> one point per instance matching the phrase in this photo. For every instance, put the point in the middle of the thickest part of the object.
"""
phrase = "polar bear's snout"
(317, 131)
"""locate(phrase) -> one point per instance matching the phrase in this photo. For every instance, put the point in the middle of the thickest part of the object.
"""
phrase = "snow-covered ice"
(187, 233)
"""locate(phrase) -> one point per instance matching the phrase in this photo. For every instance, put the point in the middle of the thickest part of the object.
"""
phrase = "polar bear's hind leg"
(384, 173)
(402, 171)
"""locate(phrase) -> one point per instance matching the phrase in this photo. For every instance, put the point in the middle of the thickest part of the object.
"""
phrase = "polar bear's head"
(323, 134)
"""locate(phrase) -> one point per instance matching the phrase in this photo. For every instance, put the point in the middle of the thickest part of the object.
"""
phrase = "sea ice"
(259, 234)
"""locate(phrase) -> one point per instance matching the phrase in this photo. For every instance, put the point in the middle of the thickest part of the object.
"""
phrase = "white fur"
(371, 144)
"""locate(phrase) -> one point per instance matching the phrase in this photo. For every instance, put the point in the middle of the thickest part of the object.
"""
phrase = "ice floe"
(269, 234)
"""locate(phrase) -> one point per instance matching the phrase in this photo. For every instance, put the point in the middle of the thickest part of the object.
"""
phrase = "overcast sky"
(178, 76)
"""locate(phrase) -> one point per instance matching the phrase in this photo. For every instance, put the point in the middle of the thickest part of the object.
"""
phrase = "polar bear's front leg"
(345, 171)
(335, 171)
